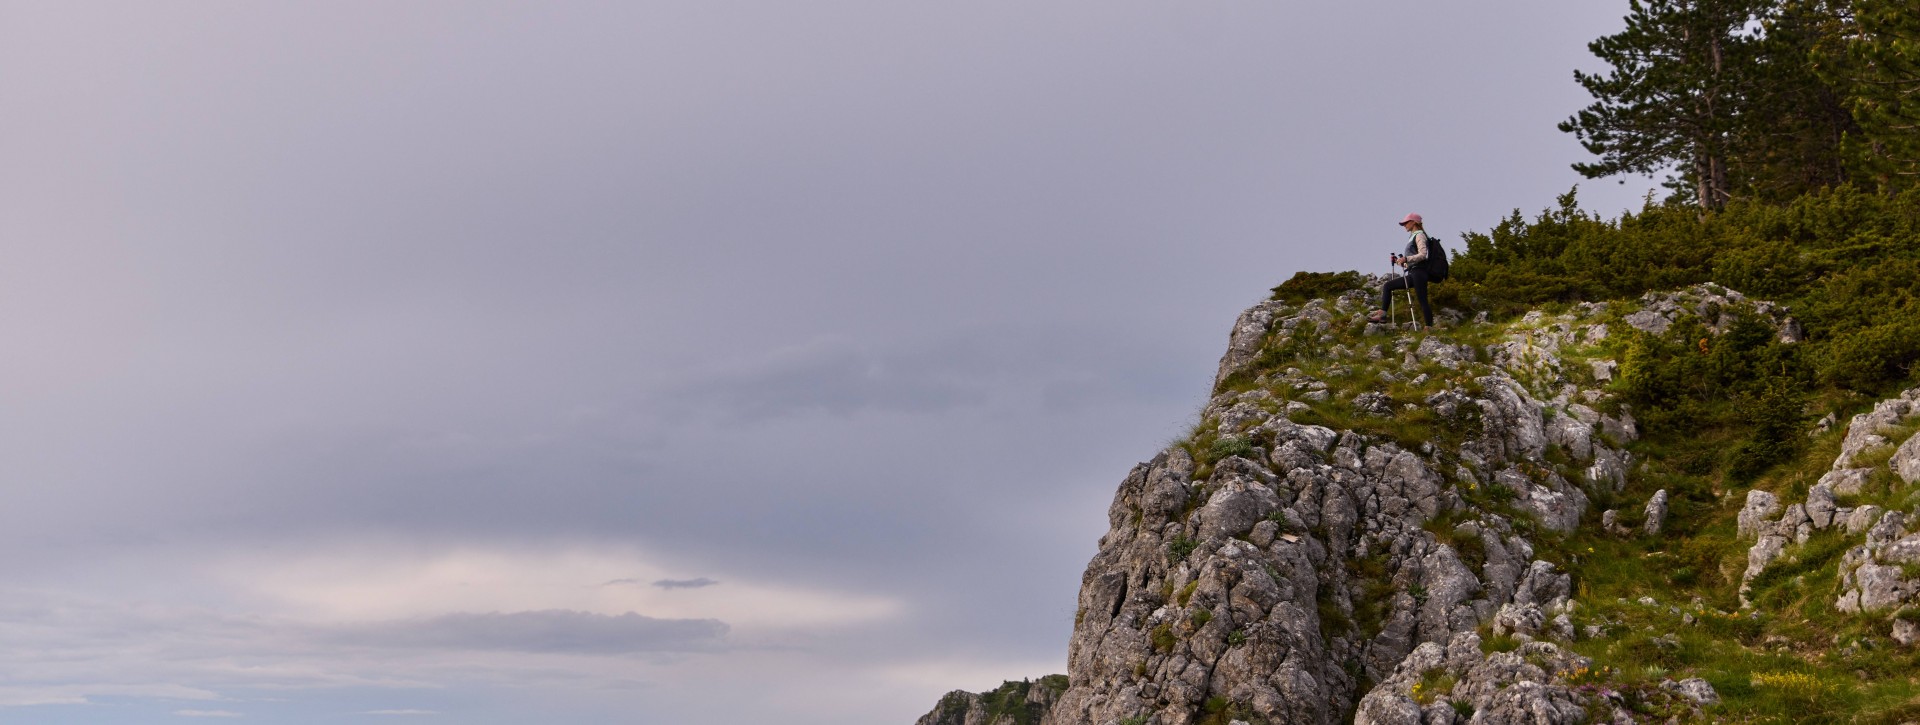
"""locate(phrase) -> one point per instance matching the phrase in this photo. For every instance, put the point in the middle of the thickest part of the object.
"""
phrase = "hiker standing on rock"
(1415, 276)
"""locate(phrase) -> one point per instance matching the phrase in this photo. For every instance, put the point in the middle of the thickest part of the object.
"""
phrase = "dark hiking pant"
(1415, 278)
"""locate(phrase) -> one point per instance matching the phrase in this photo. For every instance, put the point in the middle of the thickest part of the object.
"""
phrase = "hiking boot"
(1377, 316)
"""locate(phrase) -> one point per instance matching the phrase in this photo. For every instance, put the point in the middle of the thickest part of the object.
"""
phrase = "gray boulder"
(1863, 518)
(1820, 506)
(1906, 631)
(1572, 434)
(1656, 512)
(1374, 403)
(1526, 620)
(1543, 585)
(1239, 500)
(1522, 686)
(1865, 431)
(1698, 690)
(1906, 460)
(1244, 342)
(1609, 467)
(1649, 321)
(1846, 481)
(1760, 507)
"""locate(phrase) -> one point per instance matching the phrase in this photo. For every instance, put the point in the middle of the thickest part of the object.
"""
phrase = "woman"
(1415, 264)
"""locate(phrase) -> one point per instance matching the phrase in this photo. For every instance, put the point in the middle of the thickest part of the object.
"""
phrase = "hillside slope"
(1381, 525)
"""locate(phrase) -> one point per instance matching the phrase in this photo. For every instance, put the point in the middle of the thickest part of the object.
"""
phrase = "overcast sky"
(662, 361)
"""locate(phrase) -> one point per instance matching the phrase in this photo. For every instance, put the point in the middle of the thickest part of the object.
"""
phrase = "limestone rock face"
(1300, 545)
(1906, 460)
(1011, 703)
(1527, 685)
(1868, 430)
(1283, 580)
(1871, 574)
(1872, 577)
(1711, 303)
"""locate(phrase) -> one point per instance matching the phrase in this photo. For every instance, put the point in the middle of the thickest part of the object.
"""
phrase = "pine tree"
(1882, 60)
(1789, 141)
(1681, 77)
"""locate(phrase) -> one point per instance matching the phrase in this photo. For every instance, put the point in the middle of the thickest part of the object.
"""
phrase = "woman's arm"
(1420, 240)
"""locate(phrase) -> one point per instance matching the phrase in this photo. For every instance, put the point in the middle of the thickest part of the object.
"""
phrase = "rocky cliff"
(1375, 524)
(1012, 703)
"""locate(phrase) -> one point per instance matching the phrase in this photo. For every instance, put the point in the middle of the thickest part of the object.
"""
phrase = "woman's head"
(1412, 222)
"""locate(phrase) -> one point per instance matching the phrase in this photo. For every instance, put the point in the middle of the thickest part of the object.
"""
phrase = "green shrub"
(1777, 418)
(1226, 447)
(1501, 643)
(1434, 684)
(1163, 638)
(1180, 547)
(1764, 269)
(1186, 593)
(1303, 286)
(1874, 358)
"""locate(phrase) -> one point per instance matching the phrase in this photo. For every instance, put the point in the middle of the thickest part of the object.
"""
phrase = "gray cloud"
(834, 377)
(867, 295)
(685, 583)
(542, 631)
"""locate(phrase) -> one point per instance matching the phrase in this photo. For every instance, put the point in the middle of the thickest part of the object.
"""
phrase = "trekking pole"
(1393, 318)
(1407, 285)
(1410, 310)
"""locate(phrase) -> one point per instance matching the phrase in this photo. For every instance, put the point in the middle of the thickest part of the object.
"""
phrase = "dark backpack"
(1436, 262)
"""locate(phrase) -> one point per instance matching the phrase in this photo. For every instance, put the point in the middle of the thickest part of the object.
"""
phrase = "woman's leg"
(1386, 293)
(1420, 290)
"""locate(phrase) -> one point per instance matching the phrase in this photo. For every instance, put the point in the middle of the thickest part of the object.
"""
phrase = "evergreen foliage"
(1847, 263)
(1682, 76)
(1790, 137)
(1303, 285)
(1877, 56)
(1757, 100)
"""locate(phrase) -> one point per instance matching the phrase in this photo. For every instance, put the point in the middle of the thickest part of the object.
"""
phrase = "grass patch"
(1803, 575)
(1163, 638)
(1180, 548)
(1221, 711)
(1304, 286)
(1224, 448)
(1334, 620)
(1450, 528)
(1434, 684)
(1186, 592)
(1376, 593)
(1500, 642)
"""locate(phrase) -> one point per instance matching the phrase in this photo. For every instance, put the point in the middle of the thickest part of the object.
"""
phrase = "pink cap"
(1415, 218)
